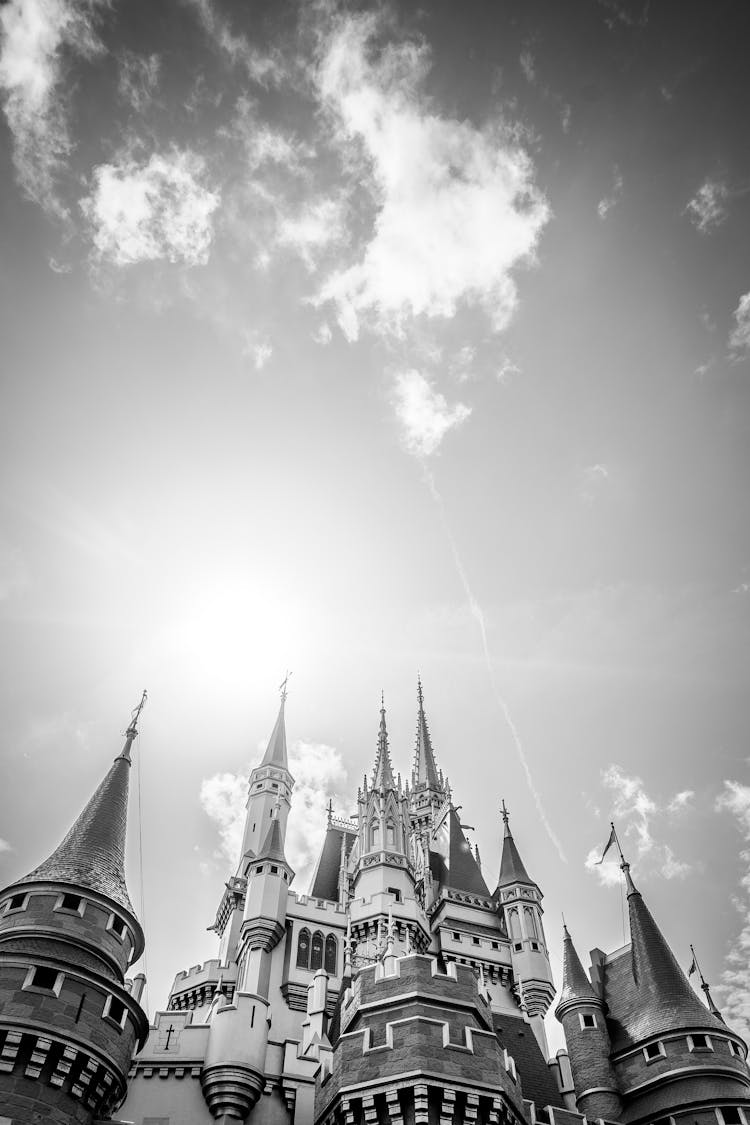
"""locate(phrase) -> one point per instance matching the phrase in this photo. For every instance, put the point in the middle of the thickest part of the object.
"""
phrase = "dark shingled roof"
(273, 845)
(425, 771)
(646, 990)
(325, 883)
(92, 855)
(451, 861)
(537, 1081)
(575, 985)
(512, 869)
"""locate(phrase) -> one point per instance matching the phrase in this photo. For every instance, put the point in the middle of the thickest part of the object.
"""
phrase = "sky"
(363, 340)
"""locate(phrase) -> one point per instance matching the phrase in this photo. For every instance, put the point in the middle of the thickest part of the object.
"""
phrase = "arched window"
(374, 835)
(531, 927)
(515, 926)
(331, 955)
(316, 957)
(303, 949)
(390, 834)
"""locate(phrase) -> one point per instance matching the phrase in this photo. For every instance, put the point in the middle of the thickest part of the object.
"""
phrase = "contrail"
(478, 615)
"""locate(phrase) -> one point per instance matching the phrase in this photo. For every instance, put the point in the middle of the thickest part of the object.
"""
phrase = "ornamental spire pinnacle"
(276, 754)
(512, 869)
(425, 770)
(576, 986)
(382, 777)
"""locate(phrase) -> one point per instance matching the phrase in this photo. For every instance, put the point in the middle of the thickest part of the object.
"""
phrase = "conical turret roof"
(425, 771)
(273, 844)
(512, 868)
(275, 754)
(382, 777)
(575, 983)
(451, 861)
(92, 854)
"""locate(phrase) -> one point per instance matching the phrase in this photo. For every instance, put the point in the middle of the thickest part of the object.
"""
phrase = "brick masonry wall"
(588, 1049)
(26, 1103)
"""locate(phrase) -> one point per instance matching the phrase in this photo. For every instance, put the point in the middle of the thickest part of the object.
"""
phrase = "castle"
(402, 988)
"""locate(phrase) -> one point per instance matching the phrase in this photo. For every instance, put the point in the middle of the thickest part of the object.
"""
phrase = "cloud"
(507, 371)
(257, 349)
(528, 67)
(319, 775)
(707, 210)
(605, 205)
(735, 799)
(739, 340)
(157, 210)
(424, 414)
(5, 846)
(633, 810)
(59, 267)
(594, 480)
(318, 225)
(37, 35)
(139, 78)
(455, 207)
(266, 69)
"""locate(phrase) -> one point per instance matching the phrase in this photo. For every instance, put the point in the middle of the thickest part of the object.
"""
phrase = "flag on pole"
(693, 967)
(612, 840)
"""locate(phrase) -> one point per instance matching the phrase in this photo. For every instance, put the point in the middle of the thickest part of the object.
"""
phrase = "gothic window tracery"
(331, 955)
(374, 835)
(303, 949)
(316, 954)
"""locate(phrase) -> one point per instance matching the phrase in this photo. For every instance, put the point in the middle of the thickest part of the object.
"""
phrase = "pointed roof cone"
(273, 844)
(275, 754)
(92, 855)
(667, 1000)
(451, 860)
(382, 777)
(576, 985)
(425, 770)
(512, 869)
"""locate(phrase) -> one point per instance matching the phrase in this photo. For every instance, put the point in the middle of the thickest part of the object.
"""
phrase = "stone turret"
(69, 1023)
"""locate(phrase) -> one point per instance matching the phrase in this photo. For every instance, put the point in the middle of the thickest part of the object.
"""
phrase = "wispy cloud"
(5, 846)
(735, 799)
(319, 775)
(605, 205)
(36, 36)
(138, 79)
(528, 66)
(739, 340)
(455, 207)
(267, 69)
(313, 229)
(423, 413)
(635, 812)
(144, 212)
(257, 349)
(708, 209)
(594, 479)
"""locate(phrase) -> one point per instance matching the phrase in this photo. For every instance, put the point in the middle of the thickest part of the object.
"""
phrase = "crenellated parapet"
(197, 986)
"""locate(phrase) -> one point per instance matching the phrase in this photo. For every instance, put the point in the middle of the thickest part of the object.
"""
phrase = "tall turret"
(69, 1026)
(581, 1011)
(383, 875)
(520, 901)
(233, 1073)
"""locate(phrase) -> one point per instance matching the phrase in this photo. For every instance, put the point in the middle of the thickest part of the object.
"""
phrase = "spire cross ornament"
(135, 716)
(504, 813)
(282, 686)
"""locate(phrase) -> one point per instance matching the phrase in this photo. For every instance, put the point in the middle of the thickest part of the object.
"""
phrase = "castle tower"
(69, 1024)
(383, 878)
(233, 1073)
(520, 902)
(581, 1011)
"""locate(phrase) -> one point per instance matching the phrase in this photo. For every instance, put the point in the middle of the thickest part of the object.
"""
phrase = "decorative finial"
(283, 687)
(695, 968)
(420, 697)
(506, 818)
(135, 716)
(330, 811)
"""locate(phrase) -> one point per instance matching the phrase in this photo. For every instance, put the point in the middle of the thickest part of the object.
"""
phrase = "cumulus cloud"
(157, 210)
(319, 775)
(138, 80)
(36, 38)
(739, 340)
(456, 209)
(423, 413)
(735, 799)
(318, 225)
(707, 210)
(633, 811)
(605, 205)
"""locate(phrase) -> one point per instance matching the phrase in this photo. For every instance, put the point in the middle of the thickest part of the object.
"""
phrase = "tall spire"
(92, 854)
(576, 985)
(695, 968)
(512, 868)
(275, 754)
(382, 777)
(667, 998)
(425, 771)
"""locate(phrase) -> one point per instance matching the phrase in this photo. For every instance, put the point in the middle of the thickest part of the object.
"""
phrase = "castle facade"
(402, 988)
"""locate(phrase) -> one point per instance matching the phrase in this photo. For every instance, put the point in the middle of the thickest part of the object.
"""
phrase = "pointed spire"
(275, 754)
(382, 777)
(666, 997)
(425, 770)
(92, 854)
(576, 985)
(512, 868)
(273, 844)
(695, 968)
